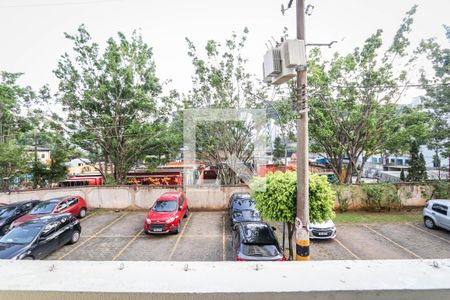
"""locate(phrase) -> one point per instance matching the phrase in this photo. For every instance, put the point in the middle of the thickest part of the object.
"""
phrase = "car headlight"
(170, 220)
(149, 221)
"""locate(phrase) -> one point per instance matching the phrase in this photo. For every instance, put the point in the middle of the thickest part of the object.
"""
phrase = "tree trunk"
(360, 171)
(290, 227)
(348, 177)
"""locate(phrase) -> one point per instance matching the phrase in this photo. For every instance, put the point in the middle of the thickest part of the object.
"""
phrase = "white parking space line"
(395, 243)
(428, 232)
(180, 236)
(128, 245)
(88, 216)
(348, 250)
(93, 236)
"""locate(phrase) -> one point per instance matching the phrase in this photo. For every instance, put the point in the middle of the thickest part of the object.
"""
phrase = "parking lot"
(206, 236)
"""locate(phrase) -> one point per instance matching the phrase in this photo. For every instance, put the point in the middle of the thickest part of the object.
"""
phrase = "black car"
(39, 237)
(255, 241)
(10, 213)
(243, 208)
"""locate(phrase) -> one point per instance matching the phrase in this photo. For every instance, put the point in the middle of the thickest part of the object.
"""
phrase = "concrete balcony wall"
(337, 280)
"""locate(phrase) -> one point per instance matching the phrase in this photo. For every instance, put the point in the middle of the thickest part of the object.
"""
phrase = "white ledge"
(400, 279)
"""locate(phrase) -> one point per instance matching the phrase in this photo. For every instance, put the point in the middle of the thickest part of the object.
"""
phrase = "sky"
(32, 39)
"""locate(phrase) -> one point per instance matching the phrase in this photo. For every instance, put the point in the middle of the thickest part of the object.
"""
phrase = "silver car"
(325, 230)
(437, 214)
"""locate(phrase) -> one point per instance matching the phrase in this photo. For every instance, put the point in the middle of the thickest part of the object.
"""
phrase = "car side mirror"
(274, 228)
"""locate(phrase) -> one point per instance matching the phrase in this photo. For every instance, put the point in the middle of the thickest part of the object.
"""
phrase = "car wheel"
(28, 258)
(82, 213)
(177, 231)
(429, 223)
(75, 237)
(187, 213)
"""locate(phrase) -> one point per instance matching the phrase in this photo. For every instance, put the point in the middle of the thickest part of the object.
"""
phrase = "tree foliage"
(278, 150)
(417, 169)
(111, 98)
(220, 81)
(437, 87)
(276, 198)
(354, 112)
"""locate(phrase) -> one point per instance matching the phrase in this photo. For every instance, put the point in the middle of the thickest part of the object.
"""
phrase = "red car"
(75, 205)
(167, 213)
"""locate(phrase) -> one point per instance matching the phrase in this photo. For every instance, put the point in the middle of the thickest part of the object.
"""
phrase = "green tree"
(353, 99)
(13, 162)
(278, 150)
(437, 87)
(112, 99)
(417, 168)
(220, 81)
(276, 198)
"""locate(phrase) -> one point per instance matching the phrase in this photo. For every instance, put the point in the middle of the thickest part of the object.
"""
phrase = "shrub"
(342, 197)
(441, 190)
(381, 196)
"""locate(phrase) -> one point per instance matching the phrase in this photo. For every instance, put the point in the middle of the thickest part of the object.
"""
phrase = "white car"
(437, 214)
(325, 230)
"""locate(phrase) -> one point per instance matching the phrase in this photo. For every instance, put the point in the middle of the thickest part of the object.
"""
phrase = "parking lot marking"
(128, 244)
(93, 236)
(223, 239)
(180, 236)
(435, 235)
(88, 216)
(348, 250)
(395, 243)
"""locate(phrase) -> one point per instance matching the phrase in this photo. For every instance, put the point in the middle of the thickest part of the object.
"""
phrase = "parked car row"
(34, 229)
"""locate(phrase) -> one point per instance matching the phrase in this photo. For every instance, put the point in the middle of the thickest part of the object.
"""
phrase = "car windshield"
(243, 204)
(165, 206)
(43, 208)
(260, 250)
(6, 212)
(20, 235)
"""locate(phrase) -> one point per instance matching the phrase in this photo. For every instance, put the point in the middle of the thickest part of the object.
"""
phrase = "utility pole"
(302, 219)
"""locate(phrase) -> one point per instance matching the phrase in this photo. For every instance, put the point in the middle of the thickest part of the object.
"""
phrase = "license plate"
(323, 233)
(157, 229)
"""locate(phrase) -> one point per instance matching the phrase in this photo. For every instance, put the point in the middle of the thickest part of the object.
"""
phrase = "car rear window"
(243, 204)
(43, 208)
(258, 234)
(260, 250)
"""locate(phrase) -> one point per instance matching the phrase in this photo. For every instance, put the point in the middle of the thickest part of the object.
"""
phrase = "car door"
(64, 231)
(62, 207)
(440, 212)
(47, 242)
(73, 206)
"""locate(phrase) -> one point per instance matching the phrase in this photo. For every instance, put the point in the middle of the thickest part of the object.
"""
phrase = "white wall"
(132, 197)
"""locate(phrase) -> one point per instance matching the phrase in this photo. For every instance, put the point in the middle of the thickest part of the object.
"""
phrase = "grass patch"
(378, 217)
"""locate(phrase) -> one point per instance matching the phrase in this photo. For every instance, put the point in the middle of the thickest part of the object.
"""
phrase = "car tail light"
(282, 259)
(238, 258)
